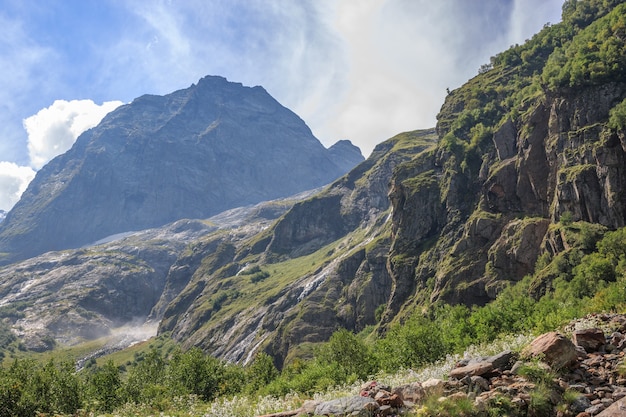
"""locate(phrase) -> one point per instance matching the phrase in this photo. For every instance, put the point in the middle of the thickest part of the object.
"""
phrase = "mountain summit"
(189, 154)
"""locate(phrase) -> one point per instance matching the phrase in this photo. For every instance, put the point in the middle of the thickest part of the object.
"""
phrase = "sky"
(362, 70)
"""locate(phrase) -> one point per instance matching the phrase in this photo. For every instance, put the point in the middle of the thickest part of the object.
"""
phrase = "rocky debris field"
(582, 375)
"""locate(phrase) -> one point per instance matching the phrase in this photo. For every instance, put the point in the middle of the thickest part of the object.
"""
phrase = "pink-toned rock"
(618, 409)
(473, 369)
(387, 398)
(554, 349)
(589, 339)
(413, 392)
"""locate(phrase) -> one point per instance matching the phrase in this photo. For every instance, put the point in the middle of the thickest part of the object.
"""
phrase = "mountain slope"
(77, 295)
(321, 266)
(518, 148)
(526, 164)
(190, 154)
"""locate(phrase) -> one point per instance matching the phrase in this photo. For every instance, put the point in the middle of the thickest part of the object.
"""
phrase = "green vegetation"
(617, 119)
(589, 276)
(593, 56)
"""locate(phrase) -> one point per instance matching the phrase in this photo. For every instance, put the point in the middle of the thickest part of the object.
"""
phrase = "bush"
(617, 116)
(348, 353)
(260, 373)
(193, 372)
(418, 342)
(27, 388)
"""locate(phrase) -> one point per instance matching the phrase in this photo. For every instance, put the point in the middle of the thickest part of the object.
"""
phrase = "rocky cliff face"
(322, 266)
(479, 212)
(517, 151)
(190, 154)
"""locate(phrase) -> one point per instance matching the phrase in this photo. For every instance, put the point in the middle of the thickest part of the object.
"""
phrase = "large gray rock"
(347, 406)
(190, 154)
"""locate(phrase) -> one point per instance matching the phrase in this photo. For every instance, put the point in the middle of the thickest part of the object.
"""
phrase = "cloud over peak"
(53, 130)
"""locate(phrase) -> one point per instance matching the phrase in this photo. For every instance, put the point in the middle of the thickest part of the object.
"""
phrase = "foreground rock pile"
(581, 376)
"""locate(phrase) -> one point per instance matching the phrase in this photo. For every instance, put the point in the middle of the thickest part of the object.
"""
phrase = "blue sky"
(362, 70)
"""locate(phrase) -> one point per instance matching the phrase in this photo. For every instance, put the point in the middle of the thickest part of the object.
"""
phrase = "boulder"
(502, 361)
(554, 349)
(387, 398)
(473, 369)
(433, 384)
(413, 392)
(589, 339)
(617, 409)
(346, 406)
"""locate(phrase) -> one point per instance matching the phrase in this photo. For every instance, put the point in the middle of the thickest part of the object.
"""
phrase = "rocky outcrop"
(190, 154)
(476, 215)
(504, 384)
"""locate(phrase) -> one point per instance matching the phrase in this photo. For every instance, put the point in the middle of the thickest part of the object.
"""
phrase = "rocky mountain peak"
(189, 154)
(344, 154)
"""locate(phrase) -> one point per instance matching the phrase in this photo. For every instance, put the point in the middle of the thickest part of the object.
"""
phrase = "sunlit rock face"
(190, 154)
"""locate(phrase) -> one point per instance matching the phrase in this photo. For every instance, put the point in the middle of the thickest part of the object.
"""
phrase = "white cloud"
(53, 130)
(359, 70)
(362, 70)
(403, 54)
(13, 181)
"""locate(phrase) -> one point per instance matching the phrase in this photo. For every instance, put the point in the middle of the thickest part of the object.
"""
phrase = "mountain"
(526, 167)
(523, 174)
(345, 155)
(2, 215)
(190, 154)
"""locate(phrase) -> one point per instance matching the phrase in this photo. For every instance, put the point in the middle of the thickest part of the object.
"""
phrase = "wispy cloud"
(22, 74)
(404, 54)
(359, 70)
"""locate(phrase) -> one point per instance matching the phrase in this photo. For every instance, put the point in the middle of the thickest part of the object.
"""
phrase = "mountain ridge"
(190, 154)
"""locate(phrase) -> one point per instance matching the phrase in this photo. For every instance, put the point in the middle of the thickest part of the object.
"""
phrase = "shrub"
(417, 342)
(617, 116)
(104, 388)
(261, 372)
(348, 353)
